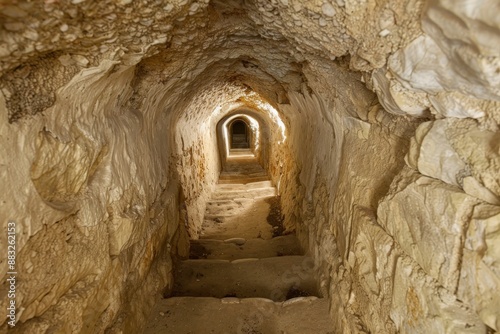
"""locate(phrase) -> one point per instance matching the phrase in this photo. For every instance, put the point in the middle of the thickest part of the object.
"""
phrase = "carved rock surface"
(430, 231)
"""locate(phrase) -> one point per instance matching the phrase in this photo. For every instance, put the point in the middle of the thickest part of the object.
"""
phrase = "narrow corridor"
(235, 155)
(242, 276)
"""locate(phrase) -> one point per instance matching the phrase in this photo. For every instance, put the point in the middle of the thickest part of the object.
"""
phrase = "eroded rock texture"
(380, 130)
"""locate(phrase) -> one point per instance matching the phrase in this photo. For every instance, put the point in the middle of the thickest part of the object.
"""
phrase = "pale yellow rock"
(428, 220)
(437, 157)
(111, 144)
(454, 104)
(480, 273)
(413, 154)
(480, 149)
(120, 230)
(397, 99)
(421, 305)
(472, 187)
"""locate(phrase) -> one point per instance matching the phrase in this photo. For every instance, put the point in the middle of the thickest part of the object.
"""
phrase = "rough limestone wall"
(86, 170)
(451, 182)
(401, 212)
(95, 202)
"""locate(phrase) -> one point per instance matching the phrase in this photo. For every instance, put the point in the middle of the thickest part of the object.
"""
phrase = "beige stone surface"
(430, 231)
(378, 125)
(459, 152)
(479, 147)
(437, 157)
(301, 315)
(421, 305)
(396, 98)
(480, 274)
(391, 294)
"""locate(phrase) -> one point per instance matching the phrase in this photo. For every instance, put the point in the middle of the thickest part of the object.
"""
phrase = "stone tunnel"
(372, 126)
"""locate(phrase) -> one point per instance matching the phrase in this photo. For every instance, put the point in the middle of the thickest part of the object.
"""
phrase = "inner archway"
(239, 132)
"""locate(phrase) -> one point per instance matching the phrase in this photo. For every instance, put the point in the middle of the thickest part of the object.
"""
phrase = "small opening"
(239, 135)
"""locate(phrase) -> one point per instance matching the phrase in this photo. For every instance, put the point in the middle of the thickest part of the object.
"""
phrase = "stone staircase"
(242, 168)
(241, 276)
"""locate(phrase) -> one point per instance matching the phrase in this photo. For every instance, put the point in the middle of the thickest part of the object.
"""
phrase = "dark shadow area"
(239, 135)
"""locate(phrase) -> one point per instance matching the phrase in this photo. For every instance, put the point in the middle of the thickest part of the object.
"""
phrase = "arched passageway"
(239, 131)
(373, 124)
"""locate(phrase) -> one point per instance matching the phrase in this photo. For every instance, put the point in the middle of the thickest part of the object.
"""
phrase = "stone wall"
(95, 202)
(401, 213)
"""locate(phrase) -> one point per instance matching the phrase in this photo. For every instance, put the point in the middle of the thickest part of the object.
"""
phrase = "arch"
(257, 134)
(239, 134)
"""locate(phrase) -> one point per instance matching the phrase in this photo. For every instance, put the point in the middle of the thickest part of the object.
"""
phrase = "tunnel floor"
(241, 276)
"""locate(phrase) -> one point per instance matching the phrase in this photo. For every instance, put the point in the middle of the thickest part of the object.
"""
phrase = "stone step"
(228, 208)
(229, 203)
(256, 191)
(247, 186)
(247, 173)
(250, 219)
(276, 278)
(236, 194)
(240, 248)
(199, 315)
(224, 209)
(222, 228)
(218, 216)
(242, 180)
